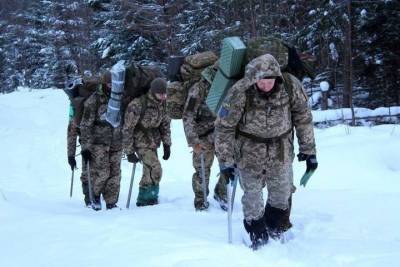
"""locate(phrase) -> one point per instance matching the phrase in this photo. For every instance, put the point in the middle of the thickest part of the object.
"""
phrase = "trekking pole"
(89, 184)
(72, 184)
(231, 189)
(203, 179)
(128, 202)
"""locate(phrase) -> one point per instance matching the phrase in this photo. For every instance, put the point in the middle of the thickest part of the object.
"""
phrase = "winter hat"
(158, 86)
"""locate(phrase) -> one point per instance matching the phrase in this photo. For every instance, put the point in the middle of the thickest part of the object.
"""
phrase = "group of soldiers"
(252, 137)
(145, 125)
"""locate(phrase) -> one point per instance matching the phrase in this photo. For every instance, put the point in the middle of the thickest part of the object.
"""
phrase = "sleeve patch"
(223, 112)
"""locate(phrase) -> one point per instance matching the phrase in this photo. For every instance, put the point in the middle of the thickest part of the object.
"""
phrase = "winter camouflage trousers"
(278, 177)
(152, 171)
(220, 187)
(105, 172)
(84, 181)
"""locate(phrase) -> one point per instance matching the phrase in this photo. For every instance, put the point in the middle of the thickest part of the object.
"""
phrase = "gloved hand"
(312, 164)
(132, 158)
(86, 155)
(228, 172)
(72, 162)
(311, 161)
(167, 152)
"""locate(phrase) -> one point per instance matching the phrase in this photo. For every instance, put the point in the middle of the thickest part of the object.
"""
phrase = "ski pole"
(72, 184)
(89, 183)
(128, 202)
(231, 189)
(203, 179)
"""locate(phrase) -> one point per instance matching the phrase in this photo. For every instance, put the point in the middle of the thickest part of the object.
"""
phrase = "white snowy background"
(348, 215)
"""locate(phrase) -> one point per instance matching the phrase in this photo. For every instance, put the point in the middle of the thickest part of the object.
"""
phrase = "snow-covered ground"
(348, 215)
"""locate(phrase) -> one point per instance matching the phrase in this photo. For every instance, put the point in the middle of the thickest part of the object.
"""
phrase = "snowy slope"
(347, 216)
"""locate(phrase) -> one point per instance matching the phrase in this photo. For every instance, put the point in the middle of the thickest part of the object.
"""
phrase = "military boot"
(276, 221)
(286, 224)
(200, 205)
(85, 190)
(220, 194)
(111, 206)
(257, 231)
(96, 205)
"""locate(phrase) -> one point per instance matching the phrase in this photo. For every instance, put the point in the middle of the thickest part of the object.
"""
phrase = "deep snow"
(348, 214)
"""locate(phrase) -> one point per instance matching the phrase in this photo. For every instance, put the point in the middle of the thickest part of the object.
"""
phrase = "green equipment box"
(232, 56)
(218, 91)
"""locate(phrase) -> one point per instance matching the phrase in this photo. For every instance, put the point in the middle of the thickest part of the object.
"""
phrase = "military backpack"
(190, 72)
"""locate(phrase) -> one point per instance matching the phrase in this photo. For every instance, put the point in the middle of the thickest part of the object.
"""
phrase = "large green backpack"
(235, 56)
(190, 72)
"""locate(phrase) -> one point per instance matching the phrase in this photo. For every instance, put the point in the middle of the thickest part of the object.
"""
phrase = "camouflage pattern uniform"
(198, 122)
(146, 124)
(255, 130)
(72, 136)
(104, 143)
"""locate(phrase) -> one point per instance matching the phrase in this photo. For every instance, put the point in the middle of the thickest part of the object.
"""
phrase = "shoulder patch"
(223, 112)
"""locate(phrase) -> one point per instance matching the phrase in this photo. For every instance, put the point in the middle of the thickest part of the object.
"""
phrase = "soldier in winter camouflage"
(146, 124)
(102, 146)
(254, 133)
(72, 136)
(198, 122)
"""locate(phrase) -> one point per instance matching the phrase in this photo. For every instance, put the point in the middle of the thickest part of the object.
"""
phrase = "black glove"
(72, 162)
(86, 155)
(311, 161)
(167, 152)
(132, 158)
(228, 173)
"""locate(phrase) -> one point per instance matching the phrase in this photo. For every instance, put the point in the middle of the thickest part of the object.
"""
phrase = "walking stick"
(72, 184)
(128, 202)
(231, 189)
(203, 179)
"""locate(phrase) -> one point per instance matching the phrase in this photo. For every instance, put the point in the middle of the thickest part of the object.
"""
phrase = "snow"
(346, 216)
(345, 113)
(363, 13)
(106, 52)
(324, 86)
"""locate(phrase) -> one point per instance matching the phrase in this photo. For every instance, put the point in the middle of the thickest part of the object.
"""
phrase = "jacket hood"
(261, 67)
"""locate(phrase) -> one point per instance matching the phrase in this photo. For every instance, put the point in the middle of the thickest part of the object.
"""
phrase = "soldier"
(198, 122)
(254, 133)
(146, 124)
(72, 136)
(101, 146)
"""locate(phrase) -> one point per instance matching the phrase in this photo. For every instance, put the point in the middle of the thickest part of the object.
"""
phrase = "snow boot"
(276, 221)
(257, 231)
(96, 203)
(148, 195)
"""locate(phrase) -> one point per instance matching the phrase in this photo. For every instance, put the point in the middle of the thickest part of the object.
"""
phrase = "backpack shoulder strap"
(287, 85)
(143, 102)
